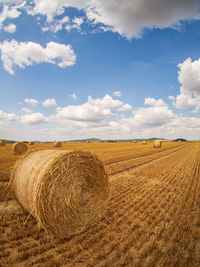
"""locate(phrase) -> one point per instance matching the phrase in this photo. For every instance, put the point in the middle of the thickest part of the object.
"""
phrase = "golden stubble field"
(153, 216)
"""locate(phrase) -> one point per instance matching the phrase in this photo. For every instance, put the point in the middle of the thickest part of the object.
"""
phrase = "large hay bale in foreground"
(19, 148)
(31, 143)
(2, 143)
(57, 144)
(157, 144)
(67, 192)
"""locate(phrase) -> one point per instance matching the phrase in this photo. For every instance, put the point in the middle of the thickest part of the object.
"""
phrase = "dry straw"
(67, 192)
(2, 143)
(31, 143)
(157, 144)
(19, 148)
(57, 144)
(8, 208)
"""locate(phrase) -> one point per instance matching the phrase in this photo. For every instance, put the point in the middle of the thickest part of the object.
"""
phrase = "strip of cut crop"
(125, 165)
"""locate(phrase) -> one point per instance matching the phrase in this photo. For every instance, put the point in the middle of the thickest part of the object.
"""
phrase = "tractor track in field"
(134, 163)
(111, 162)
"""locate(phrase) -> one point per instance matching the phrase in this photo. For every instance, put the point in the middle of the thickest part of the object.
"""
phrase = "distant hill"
(93, 140)
(179, 139)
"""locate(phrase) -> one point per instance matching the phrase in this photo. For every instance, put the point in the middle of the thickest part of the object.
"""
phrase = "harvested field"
(153, 215)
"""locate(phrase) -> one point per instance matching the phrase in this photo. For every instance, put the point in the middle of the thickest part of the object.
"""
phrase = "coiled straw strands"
(19, 148)
(67, 192)
(57, 144)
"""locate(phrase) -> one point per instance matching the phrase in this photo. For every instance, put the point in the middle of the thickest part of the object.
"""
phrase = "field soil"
(153, 216)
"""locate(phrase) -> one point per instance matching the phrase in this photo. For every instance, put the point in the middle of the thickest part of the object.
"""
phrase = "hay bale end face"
(157, 144)
(19, 148)
(67, 192)
(57, 144)
(2, 143)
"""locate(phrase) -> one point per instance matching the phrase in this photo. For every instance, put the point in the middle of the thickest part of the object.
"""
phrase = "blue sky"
(106, 69)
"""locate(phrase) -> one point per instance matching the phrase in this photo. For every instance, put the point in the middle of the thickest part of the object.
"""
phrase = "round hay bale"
(134, 142)
(31, 143)
(19, 148)
(144, 142)
(67, 192)
(57, 144)
(157, 144)
(2, 143)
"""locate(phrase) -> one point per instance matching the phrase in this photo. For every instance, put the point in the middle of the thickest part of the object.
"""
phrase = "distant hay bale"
(57, 144)
(157, 144)
(134, 142)
(31, 143)
(19, 148)
(67, 192)
(144, 142)
(2, 143)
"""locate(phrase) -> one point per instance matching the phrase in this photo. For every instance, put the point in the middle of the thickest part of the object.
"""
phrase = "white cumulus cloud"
(156, 120)
(7, 116)
(56, 25)
(49, 102)
(11, 28)
(189, 78)
(31, 101)
(34, 118)
(74, 96)
(75, 24)
(10, 10)
(153, 116)
(125, 107)
(117, 93)
(95, 119)
(23, 54)
(26, 110)
(94, 110)
(128, 17)
(154, 103)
